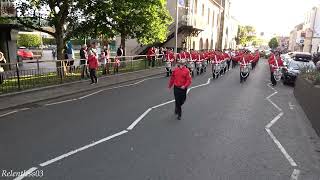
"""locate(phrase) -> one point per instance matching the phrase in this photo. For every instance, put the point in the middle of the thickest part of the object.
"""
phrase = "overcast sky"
(272, 16)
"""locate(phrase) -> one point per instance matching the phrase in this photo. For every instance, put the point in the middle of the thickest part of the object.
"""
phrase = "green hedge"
(29, 40)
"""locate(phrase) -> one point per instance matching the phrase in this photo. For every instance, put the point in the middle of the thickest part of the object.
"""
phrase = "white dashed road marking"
(82, 148)
(296, 172)
(28, 172)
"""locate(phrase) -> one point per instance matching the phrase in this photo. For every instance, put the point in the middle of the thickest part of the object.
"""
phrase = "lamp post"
(177, 24)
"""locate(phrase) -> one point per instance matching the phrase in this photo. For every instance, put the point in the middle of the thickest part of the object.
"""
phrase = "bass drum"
(277, 74)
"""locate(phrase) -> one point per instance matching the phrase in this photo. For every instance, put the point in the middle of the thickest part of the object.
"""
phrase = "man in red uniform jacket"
(151, 56)
(181, 80)
(274, 63)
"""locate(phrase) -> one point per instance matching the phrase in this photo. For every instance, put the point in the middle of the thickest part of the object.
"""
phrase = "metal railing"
(30, 74)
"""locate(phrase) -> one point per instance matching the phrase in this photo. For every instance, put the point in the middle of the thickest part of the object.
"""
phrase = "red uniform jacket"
(271, 57)
(215, 58)
(188, 56)
(275, 63)
(180, 77)
(194, 56)
(245, 59)
(182, 55)
(93, 62)
(202, 57)
(151, 53)
(169, 56)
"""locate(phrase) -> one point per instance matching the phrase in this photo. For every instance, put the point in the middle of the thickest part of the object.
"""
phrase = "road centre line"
(82, 148)
(63, 156)
(138, 119)
(274, 120)
(295, 174)
(25, 174)
(284, 152)
(163, 104)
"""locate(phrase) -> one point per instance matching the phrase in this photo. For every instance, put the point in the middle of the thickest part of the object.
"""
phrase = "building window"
(208, 15)
(201, 44)
(202, 9)
(195, 6)
(194, 45)
(211, 45)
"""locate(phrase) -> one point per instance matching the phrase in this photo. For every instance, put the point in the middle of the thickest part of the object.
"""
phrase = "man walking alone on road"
(181, 80)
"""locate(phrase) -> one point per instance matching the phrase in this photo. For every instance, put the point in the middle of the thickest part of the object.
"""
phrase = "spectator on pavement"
(181, 80)
(83, 61)
(103, 62)
(2, 60)
(151, 55)
(161, 54)
(120, 51)
(116, 65)
(107, 54)
(93, 65)
(70, 54)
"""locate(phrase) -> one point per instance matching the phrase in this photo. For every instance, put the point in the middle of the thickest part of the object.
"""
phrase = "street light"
(177, 24)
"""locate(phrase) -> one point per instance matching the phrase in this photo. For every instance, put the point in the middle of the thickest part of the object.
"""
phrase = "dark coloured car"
(299, 61)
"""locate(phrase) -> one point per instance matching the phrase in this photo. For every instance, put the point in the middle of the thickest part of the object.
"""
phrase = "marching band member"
(245, 60)
(169, 58)
(274, 63)
(228, 58)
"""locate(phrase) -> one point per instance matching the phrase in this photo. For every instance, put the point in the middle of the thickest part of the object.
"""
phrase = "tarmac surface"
(228, 131)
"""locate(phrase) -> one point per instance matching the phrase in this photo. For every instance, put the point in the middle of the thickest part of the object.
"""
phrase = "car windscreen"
(304, 58)
(293, 65)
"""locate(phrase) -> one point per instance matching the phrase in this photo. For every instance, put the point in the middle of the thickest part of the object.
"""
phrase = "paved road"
(222, 135)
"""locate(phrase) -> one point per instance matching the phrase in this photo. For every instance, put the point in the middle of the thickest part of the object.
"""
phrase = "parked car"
(286, 57)
(298, 62)
(24, 53)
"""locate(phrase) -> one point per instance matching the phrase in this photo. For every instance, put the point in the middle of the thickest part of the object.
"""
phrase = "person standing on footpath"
(181, 80)
(83, 61)
(2, 60)
(93, 65)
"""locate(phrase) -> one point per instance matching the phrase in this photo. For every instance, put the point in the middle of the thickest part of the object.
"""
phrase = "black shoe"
(179, 118)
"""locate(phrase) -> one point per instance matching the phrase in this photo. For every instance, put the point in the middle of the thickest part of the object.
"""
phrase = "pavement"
(228, 131)
(26, 99)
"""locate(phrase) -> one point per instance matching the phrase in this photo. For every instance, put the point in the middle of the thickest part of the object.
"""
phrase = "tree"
(63, 15)
(246, 35)
(29, 40)
(146, 20)
(273, 43)
(257, 41)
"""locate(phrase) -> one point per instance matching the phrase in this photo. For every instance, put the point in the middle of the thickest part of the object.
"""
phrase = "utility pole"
(177, 24)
